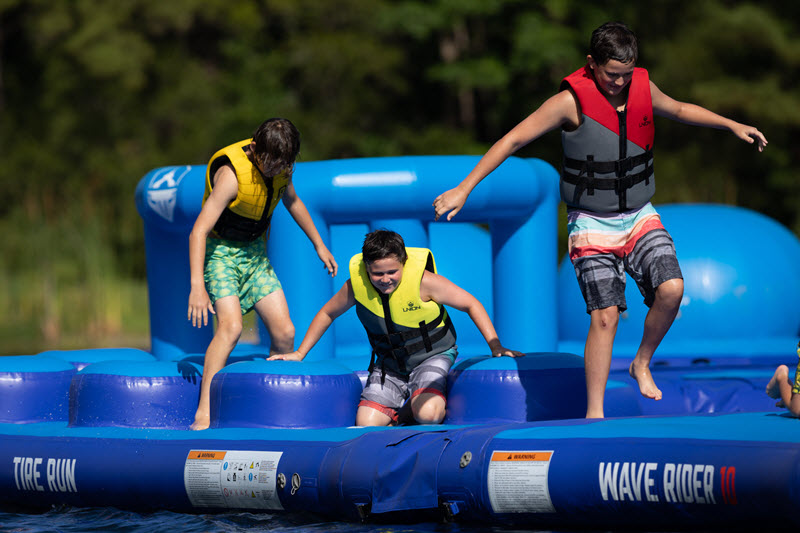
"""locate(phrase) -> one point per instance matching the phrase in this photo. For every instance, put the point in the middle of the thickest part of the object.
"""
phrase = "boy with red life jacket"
(229, 268)
(605, 111)
(400, 301)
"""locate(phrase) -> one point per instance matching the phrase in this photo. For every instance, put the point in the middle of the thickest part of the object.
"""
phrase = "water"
(75, 520)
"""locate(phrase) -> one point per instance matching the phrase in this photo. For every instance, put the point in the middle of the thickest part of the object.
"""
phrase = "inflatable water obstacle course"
(109, 427)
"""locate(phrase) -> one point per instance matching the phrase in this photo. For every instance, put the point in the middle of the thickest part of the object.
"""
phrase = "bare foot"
(644, 378)
(773, 387)
(200, 422)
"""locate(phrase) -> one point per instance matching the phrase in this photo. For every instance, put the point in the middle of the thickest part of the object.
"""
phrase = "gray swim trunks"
(604, 246)
(387, 393)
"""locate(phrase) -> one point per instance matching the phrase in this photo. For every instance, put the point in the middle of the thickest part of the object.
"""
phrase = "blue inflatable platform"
(109, 427)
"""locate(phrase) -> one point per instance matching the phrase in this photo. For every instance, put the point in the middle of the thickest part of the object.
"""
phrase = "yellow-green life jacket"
(248, 216)
(403, 330)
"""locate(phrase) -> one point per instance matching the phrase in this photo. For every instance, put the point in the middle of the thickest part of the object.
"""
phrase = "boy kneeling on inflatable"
(400, 301)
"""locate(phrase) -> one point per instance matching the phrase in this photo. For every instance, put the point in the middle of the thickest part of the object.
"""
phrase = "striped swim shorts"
(387, 393)
(604, 246)
(239, 269)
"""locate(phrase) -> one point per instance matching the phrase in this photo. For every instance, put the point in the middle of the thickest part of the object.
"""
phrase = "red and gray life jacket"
(403, 330)
(608, 159)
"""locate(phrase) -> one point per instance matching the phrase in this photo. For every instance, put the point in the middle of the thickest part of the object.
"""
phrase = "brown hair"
(613, 40)
(277, 144)
(382, 243)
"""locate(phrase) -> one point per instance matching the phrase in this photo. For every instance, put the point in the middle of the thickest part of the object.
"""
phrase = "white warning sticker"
(233, 479)
(518, 482)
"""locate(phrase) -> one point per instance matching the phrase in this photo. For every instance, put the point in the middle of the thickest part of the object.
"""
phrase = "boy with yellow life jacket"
(400, 301)
(605, 112)
(229, 268)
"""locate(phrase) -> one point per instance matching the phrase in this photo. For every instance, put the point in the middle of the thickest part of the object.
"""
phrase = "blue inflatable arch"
(502, 246)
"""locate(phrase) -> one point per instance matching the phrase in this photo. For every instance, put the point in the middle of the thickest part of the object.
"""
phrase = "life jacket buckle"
(622, 166)
(623, 183)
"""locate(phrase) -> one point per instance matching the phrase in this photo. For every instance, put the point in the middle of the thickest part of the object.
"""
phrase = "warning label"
(232, 479)
(518, 482)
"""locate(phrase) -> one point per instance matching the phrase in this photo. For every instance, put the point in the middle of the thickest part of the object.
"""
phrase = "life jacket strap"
(619, 167)
(399, 338)
(586, 181)
(400, 352)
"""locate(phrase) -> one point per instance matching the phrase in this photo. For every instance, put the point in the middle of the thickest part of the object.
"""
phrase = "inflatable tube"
(683, 472)
(693, 389)
(540, 386)
(707, 470)
(34, 389)
(156, 394)
(82, 358)
(284, 394)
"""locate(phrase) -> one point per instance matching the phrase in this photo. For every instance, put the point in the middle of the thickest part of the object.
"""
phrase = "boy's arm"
(338, 304)
(299, 213)
(226, 187)
(443, 291)
(696, 115)
(557, 111)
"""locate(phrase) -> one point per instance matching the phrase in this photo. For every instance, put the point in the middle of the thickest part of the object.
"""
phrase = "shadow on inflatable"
(109, 427)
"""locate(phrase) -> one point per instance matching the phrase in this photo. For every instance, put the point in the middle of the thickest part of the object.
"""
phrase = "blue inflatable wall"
(502, 247)
(741, 268)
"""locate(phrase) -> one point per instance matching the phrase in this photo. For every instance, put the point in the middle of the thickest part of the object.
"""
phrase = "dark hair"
(382, 243)
(277, 143)
(613, 40)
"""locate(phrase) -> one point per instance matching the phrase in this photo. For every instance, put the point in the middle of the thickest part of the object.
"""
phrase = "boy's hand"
(749, 134)
(294, 356)
(199, 307)
(499, 351)
(452, 200)
(327, 259)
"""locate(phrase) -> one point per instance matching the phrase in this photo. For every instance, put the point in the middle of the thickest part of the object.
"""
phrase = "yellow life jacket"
(403, 330)
(248, 216)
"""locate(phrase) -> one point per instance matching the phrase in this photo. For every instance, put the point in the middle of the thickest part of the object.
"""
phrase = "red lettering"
(727, 476)
(731, 475)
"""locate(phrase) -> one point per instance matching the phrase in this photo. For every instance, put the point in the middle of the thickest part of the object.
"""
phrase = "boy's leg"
(274, 312)
(597, 357)
(229, 329)
(784, 390)
(653, 264)
(369, 416)
(601, 278)
(781, 375)
(428, 383)
(381, 399)
(656, 324)
(428, 408)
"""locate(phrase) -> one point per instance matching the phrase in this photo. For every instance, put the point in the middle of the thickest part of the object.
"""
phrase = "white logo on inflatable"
(162, 192)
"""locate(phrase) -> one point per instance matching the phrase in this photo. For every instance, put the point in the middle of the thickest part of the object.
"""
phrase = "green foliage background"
(94, 93)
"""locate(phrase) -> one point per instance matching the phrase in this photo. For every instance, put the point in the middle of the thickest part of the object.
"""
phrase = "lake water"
(75, 520)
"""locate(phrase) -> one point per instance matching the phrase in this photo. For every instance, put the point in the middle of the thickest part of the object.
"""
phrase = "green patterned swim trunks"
(239, 269)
